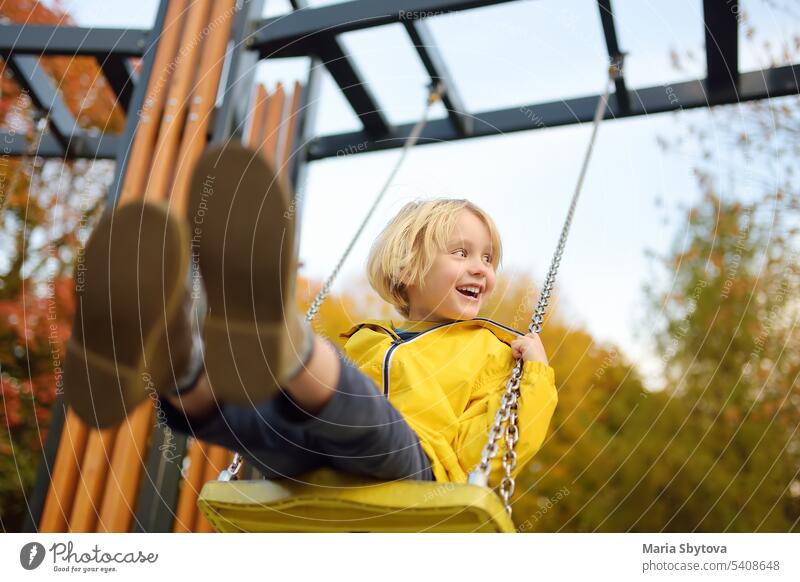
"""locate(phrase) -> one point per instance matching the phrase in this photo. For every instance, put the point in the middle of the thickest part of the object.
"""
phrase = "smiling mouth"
(471, 296)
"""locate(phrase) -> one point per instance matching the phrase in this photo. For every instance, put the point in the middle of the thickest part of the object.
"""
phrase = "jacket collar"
(503, 332)
(389, 326)
(410, 325)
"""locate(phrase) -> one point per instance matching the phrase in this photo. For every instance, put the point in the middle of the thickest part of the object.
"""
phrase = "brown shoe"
(131, 334)
(243, 231)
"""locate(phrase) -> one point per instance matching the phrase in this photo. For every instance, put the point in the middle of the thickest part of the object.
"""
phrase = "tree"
(47, 210)
(728, 335)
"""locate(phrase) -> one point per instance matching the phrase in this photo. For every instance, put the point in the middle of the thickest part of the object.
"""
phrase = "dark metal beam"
(45, 96)
(423, 41)
(765, 84)
(278, 36)
(157, 501)
(303, 132)
(58, 415)
(238, 76)
(351, 82)
(347, 76)
(27, 39)
(101, 147)
(722, 44)
(118, 74)
(614, 53)
(308, 107)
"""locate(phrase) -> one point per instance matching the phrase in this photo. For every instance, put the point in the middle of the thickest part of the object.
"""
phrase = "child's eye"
(488, 258)
(462, 251)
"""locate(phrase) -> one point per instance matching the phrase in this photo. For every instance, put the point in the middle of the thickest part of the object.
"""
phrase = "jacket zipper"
(387, 358)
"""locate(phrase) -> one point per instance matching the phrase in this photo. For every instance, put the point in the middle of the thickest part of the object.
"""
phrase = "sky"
(510, 55)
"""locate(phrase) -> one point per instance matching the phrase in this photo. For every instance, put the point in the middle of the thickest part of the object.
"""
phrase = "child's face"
(465, 262)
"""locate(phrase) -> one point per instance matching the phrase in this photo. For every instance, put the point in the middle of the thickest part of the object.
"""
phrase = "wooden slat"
(272, 127)
(122, 485)
(195, 131)
(258, 118)
(141, 153)
(90, 486)
(61, 494)
(169, 134)
(283, 161)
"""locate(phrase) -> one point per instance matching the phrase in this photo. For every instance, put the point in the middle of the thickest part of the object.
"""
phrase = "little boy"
(234, 363)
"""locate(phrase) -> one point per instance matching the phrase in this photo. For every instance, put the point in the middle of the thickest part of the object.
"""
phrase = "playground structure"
(120, 479)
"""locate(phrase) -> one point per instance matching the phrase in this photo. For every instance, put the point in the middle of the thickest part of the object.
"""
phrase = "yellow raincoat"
(447, 383)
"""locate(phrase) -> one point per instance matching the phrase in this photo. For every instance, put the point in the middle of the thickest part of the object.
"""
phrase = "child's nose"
(478, 267)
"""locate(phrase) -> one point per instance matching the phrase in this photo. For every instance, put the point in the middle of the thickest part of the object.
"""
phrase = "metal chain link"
(232, 470)
(434, 94)
(507, 413)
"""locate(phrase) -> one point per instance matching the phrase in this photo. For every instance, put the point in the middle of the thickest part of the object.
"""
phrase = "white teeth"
(475, 290)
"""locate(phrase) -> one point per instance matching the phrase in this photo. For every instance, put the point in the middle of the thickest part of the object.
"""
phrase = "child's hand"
(529, 347)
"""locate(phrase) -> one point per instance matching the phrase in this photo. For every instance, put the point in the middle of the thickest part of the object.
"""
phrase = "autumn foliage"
(46, 212)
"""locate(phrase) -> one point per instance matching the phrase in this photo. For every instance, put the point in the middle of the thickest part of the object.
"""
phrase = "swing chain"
(507, 484)
(507, 412)
(230, 473)
(434, 93)
(544, 298)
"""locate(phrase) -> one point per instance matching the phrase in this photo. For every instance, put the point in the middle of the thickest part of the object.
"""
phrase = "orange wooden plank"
(190, 488)
(61, 493)
(141, 153)
(169, 134)
(258, 118)
(127, 463)
(203, 97)
(288, 150)
(92, 479)
(272, 127)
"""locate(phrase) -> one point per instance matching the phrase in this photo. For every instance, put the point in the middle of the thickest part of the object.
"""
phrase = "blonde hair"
(405, 250)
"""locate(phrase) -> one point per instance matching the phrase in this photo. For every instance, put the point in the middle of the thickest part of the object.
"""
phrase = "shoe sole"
(129, 290)
(243, 239)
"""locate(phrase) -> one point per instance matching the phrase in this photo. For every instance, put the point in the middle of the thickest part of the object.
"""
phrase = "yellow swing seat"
(327, 501)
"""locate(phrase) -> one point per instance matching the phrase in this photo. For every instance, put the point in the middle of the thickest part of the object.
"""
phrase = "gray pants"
(358, 431)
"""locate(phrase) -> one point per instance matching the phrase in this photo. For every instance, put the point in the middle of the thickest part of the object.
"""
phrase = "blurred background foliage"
(717, 449)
